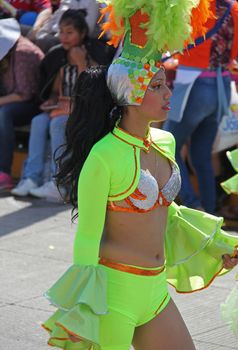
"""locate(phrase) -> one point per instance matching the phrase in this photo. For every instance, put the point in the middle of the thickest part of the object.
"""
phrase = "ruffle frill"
(194, 245)
(80, 296)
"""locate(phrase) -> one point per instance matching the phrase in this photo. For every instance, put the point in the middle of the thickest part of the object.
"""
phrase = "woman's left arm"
(10, 99)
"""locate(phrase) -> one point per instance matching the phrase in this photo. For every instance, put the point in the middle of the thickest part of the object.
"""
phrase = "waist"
(213, 74)
(133, 269)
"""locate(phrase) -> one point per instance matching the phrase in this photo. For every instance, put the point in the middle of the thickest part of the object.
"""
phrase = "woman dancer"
(116, 292)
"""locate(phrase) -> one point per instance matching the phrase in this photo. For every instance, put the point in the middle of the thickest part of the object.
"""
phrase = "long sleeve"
(81, 292)
(93, 189)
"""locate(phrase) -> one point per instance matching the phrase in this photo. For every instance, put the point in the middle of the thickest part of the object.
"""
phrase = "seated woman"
(19, 75)
(73, 34)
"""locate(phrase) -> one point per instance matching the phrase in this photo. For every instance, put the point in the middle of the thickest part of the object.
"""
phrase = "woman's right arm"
(93, 190)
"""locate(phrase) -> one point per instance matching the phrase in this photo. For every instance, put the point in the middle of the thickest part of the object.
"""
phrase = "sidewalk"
(35, 249)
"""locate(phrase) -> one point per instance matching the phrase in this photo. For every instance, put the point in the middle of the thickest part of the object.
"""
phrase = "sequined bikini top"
(148, 196)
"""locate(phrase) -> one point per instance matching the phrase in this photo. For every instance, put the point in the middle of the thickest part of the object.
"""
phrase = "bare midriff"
(134, 238)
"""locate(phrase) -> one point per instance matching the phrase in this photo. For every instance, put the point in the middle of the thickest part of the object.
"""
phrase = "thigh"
(57, 134)
(203, 138)
(156, 334)
(116, 331)
(20, 113)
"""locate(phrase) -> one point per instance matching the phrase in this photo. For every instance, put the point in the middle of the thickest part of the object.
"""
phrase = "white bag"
(227, 135)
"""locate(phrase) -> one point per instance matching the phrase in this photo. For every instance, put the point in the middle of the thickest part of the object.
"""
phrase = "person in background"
(48, 36)
(73, 33)
(19, 75)
(31, 14)
(200, 98)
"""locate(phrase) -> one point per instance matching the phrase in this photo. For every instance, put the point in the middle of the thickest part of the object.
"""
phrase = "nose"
(168, 93)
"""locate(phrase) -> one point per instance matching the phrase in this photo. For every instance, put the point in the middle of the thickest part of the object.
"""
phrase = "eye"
(154, 87)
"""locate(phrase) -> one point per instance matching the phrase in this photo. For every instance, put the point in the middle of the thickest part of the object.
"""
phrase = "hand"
(77, 55)
(49, 104)
(229, 261)
(31, 35)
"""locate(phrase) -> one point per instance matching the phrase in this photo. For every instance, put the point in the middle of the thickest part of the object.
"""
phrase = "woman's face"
(69, 36)
(155, 105)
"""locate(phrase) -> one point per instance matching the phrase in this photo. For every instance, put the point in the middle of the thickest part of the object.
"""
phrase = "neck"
(135, 125)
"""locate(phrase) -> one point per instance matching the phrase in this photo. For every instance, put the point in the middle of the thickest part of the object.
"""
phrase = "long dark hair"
(94, 114)
(76, 18)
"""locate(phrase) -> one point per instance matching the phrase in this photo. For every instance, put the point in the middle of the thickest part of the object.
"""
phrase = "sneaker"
(6, 182)
(23, 187)
(50, 192)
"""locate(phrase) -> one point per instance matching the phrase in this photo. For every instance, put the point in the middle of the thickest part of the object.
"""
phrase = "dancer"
(116, 294)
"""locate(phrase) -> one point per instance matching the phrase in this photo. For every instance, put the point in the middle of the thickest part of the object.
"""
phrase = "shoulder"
(107, 146)
(27, 49)
(161, 136)
(99, 158)
(110, 150)
(163, 139)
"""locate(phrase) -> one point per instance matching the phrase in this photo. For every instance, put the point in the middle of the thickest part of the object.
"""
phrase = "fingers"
(229, 262)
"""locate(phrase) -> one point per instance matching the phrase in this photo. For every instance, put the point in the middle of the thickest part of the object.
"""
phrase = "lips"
(166, 107)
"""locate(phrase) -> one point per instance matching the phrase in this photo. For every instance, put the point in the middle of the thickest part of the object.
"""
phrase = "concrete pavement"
(35, 249)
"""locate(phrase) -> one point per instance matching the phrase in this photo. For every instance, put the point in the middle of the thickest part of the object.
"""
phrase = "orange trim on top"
(132, 144)
(128, 133)
(134, 178)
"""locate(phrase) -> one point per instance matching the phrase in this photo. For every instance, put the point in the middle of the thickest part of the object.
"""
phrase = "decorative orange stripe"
(161, 304)
(128, 133)
(197, 290)
(46, 328)
(137, 194)
(130, 269)
(133, 181)
(208, 284)
(129, 143)
(133, 209)
(68, 331)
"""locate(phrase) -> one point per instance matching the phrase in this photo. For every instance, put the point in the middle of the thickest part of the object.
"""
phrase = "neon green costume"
(101, 305)
(194, 245)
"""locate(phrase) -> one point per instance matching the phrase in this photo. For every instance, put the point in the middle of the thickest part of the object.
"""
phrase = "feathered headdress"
(148, 28)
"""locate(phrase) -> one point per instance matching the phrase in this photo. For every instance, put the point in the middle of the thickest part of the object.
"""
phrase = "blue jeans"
(199, 125)
(11, 115)
(43, 127)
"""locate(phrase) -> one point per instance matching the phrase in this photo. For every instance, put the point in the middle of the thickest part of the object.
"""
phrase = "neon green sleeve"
(93, 189)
